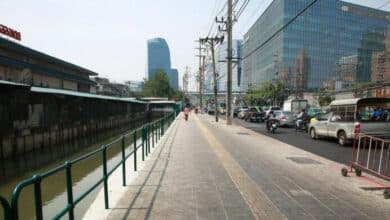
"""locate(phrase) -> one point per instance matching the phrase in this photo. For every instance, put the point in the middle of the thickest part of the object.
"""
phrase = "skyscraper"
(159, 58)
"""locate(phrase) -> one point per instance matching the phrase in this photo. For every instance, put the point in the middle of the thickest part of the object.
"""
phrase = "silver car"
(285, 118)
(350, 116)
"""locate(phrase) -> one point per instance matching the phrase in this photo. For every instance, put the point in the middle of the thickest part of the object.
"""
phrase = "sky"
(109, 37)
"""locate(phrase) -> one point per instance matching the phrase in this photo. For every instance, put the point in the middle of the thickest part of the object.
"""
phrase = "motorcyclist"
(268, 120)
(300, 117)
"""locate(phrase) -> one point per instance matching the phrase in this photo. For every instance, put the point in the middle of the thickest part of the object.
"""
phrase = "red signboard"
(10, 32)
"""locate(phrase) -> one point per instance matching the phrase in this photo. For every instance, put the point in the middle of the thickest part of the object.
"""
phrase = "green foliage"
(363, 85)
(268, 93)
(324, 100)
(178, 95)
(157, 86)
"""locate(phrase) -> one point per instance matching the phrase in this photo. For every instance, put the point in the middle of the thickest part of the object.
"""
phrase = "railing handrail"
(158, 126)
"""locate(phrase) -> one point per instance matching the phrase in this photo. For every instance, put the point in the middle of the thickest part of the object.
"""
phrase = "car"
(254, 114)
(311, 112)
(235, 111)
(242, 112)
(285, 118)
(344, 120)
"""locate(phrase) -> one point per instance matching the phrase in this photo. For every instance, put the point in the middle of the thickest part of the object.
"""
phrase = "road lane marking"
(257, 201)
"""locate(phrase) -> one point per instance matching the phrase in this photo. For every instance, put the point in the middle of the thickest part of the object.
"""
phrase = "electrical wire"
(251, 16)
(242, 8)
(280, 29)
(386, 3)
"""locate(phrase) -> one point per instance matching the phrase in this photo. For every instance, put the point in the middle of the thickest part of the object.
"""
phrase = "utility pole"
(185, 80)
(211, 42)
(200, 48)
(229, 27)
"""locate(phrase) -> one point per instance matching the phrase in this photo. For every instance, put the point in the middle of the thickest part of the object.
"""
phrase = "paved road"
(327, 148)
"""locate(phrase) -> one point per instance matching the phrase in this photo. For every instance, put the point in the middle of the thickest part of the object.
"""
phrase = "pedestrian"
(186, 112)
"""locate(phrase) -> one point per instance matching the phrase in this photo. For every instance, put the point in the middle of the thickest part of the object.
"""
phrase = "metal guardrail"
(150, 134)
(370, 154)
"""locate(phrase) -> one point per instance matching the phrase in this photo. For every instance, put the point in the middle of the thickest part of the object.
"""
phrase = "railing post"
(38, 197)
(135, 149)
(162, 126)
(69, 189)
(123, 161)
(6, 207)
(153, 127)
(143, 143)
(148, 138)
(158, 129)
(105, 185)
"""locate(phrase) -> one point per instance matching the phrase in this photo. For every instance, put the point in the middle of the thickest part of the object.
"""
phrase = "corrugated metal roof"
(28, 51)
(12, 83)
(43, 70)
(345, 102)
(82, 94)
(162, 102)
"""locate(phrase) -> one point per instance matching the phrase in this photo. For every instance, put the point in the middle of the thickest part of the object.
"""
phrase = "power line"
(251, 16)
(212, 23)
(280, 29)
(386, 3)
(242, 8)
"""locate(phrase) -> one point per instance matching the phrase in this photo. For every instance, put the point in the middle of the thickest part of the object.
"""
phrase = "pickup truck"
(332, 125)
(254, 114)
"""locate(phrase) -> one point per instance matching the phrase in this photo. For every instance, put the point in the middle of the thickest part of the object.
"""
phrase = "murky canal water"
(54, 197)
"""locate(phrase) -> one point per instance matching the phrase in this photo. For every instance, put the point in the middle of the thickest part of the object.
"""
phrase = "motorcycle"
(273, 125)
(304, 125)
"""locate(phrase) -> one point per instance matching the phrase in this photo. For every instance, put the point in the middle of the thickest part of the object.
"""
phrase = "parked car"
(285, 118)
(242, 112)
(254, 114)
(345, 119)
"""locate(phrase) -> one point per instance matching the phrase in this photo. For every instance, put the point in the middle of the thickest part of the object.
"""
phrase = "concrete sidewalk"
(207, 170)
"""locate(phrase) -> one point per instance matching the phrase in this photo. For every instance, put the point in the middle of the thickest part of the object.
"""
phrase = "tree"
(267, 93)
(157, 86)
(324, 100)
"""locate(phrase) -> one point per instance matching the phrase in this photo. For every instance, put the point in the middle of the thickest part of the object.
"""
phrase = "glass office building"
(221, 67)
(159, 58)
(332, 41)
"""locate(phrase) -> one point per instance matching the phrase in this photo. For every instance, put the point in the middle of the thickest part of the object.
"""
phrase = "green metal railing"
(149, 132)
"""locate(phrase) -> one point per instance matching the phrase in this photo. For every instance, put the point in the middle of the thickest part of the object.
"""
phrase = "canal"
(84, 174)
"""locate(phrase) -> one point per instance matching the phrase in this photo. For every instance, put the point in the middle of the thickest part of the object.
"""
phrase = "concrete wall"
(33, 121)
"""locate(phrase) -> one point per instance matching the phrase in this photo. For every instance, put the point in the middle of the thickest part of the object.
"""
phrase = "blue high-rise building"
(159, 58)
(331, 41)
